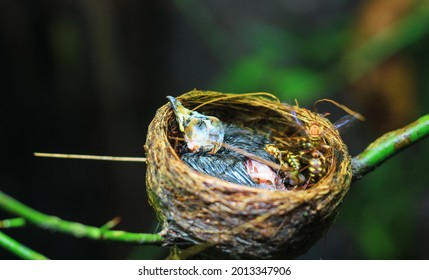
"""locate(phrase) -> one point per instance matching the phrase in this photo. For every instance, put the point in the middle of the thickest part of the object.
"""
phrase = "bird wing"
(223, 166)
(248, 140)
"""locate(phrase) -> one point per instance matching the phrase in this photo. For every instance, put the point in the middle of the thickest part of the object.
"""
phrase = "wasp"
(316, 169)
(312, 145)
(314, 129)
(291, 158)
(316, 164)
(294, 177)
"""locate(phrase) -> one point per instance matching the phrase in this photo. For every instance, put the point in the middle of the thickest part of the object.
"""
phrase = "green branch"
(18, 249)
(12, 223)
(54, 223)
(388, 145)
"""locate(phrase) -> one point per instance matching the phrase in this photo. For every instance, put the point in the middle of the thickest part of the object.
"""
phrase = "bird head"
(201, 132)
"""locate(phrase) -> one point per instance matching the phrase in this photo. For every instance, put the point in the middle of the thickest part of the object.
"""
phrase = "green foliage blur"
(87, 77)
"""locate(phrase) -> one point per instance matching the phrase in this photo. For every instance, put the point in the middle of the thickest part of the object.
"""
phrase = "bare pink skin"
(263, 175)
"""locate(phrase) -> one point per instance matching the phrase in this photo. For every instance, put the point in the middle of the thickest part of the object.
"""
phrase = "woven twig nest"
(236, 221)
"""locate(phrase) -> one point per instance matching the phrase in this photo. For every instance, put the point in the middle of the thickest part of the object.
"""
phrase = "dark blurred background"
(87, 77)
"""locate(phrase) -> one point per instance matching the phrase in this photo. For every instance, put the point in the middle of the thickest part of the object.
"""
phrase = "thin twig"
(18, 249)
(91, 157)
(388, 145)
(54, 223)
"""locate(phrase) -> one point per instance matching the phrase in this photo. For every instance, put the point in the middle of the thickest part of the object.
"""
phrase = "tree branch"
(54, 223)
(388, 145)
(12, 223)
(18, 249)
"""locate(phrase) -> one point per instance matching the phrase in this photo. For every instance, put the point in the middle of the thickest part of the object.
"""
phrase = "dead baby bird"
(212, 148)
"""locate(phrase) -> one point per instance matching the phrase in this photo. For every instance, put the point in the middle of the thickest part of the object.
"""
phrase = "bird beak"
(181, 112)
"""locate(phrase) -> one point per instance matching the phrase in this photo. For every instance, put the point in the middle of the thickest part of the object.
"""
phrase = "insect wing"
(344, 123)
(296, 119)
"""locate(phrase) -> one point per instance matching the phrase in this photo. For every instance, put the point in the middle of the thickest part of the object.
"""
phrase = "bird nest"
(213, 218)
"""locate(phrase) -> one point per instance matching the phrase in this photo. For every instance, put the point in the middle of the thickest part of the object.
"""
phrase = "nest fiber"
(219, 219)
